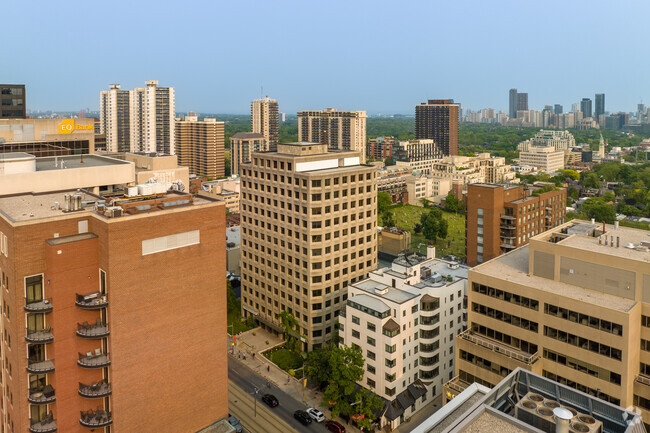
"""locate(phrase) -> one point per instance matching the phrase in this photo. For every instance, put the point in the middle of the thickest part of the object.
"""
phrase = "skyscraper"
(200, 146)
(437, 119)
(138, 120)
(512, 106)
(344, 130)
(265, 121)
(522, 101)
(242, 146)
(600, 104)
(557, 109)
(585, 107)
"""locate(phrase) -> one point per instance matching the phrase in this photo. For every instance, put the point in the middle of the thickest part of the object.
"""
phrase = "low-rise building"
(545, 158)
(381, 148)
(228, 190)
(404, 320)
(393, 241)
(431, 188)
(233, 250)
(392, 179)
(560, 140)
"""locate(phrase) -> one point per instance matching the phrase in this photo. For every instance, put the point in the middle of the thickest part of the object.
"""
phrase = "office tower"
(47, 137)
(585, 107)
(501, 218)
(200, 145)
(309, 229)
(512, 105)
(600, 105)
(437, 119)
(571, 306)
(405, 318)
(102, 305)
(242, 146)
(344, 130)
(139, 120)
(557, 109)
(264, 120)
(522, 101)
(12, 101)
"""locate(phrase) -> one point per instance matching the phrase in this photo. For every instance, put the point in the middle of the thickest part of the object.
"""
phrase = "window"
(371, 341)
(355, 320)
(370, 369)
(355, 334)
(370, 355)
(391, 348)
(372, 327)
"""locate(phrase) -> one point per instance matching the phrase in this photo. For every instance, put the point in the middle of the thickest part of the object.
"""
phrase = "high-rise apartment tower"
(344, 130)
(437, 119)
(200, 146)
(264, 120)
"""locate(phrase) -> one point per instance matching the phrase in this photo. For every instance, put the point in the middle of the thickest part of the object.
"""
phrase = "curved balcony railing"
(95, 390)
(40, 306)
(41, 336)
(95, 418)
(40, 366)
(93, 331)
(46, 425)
(44, 395)
(92, 301)
(94, 360)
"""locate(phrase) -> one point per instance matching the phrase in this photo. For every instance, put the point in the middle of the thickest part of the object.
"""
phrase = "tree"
(383, 202)
(387, 218)
(425, 202)
(291, 330)
(451, 203)
(589, 179)
(597, 209)
(434, 226)
(369, 403)
(571, 174)
(317, 366)
(233, 304)
(345, 366)
(389, 161)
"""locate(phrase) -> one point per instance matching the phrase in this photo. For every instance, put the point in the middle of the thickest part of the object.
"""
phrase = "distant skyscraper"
(340, 130)
(242, 146)
(585, 107)
(522, 101)
(265, 120)
(437, 119)
(600, 104)
(115, 118)
(512, 106)
(200, 146)
(12, 104)
(575, 107)
(558, 109)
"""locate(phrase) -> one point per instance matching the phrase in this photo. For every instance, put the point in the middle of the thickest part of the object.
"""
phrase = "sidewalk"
(248, 344)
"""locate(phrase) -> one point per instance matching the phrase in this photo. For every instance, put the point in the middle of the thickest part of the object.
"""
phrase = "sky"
(374, 55)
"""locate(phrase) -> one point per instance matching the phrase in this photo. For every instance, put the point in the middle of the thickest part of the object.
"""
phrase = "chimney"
(562, 418)
(593, 221)
(616, 224)
(431, 252)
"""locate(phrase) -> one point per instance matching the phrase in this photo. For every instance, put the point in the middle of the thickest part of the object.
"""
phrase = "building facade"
(88, 291)
(264, 120)
(512, 103)
(585, 107)
(381, 148)
(342, 130)
(545, 158)
(47, 137)
(308, 230)
(503, 217)
(200, 146)
(242, 146)
(560, 140)
(417, 150)
(599, 109)
(571, 306)
(12, 101)
(437, 119)
(405, 319)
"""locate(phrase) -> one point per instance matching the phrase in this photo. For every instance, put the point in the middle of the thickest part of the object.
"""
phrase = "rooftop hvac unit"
(525, 411)
(545, 420)
(113, 211)
(586, 424)
(146, 189)
(132, 191)
(537, 411)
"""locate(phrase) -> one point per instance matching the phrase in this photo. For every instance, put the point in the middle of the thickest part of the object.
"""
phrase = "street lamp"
(255, 398)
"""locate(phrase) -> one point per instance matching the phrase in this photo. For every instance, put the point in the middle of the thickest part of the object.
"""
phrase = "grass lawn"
(286, 359)
(407, 216)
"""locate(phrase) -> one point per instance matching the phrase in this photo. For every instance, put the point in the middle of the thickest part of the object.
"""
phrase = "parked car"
(234, 422)
(316, 414)
(270, 400)
(302, 416)
(334, 426)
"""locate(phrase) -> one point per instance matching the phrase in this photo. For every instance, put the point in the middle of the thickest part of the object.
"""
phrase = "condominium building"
(544, 158)
(503, 217)
(405, 319)
(264, 120)
(98, 307)
(560, 140)
(308, 230)
(138, 120)
(242, 146)
(200, 145)
(12, 101)
(381, 148)
(417, 150)
(434, 189)
(342, 130)
(473, 169)
(47, 137)
(392, 179)
(572, 306)
(437, 119)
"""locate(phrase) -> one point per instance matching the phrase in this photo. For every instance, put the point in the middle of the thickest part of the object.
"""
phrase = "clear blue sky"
(379, 56)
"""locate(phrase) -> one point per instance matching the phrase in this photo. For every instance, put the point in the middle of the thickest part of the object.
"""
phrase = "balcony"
(507, 227)
(507, 246)
(645, 380)
(94, 360)
(96, 418)
(45, 395)
(40, 366)
(94, 331)
(46, 425)
(500, 348)
(457, 384)
(42, 336)
(507, 217)
(92, 301)
(95, 389)
(40, 306)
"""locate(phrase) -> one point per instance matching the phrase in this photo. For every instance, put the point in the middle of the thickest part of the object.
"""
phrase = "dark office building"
(600, 104)
(12, 101)
(437, 119)
(585, 107)
(522, 101)
(512, 106)
(558, 109)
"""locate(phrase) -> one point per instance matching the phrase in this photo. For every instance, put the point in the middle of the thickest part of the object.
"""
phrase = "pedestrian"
(268, 368)
(244, 357)
(253, 355)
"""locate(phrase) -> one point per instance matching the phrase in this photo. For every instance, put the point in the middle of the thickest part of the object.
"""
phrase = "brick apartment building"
(108, 323)
(502, 217)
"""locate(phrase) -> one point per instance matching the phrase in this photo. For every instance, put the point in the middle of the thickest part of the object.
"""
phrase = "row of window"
(583, 319)
(590, 345)
(484, 363)
(517, 343)
(506, 296)
(585, 367)
(580, 387)
(505, 317)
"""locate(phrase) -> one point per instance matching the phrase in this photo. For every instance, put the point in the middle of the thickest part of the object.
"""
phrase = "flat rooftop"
(625, 236)
(76, 161)
(513, 266)
(395, 295)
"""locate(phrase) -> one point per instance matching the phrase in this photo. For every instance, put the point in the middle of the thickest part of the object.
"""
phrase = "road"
(243, 382)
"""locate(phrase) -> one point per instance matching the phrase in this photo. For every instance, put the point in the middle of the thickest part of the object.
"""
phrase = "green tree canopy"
(451, 202)
(434, 226)
(383, 202)
(598, 209)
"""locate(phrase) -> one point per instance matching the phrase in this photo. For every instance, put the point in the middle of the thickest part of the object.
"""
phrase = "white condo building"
(405, 319)
(544, 158)
(138, 120)
(560, 140)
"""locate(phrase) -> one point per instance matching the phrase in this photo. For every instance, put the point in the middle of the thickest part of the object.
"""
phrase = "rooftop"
(370, 302)
(392, 294)
(76, 161)
(247, 135)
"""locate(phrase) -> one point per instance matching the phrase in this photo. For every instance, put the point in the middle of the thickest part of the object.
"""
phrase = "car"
(302, 416)
(270, 400)
(316, 414)
(334, 426)
(234, 422)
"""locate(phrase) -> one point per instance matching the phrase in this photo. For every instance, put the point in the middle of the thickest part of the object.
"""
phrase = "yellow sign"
(68, 127)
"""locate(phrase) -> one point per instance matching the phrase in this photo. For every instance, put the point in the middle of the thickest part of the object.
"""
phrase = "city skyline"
(475, 42)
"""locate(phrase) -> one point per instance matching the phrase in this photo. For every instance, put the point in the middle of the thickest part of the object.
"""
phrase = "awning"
(250, 310)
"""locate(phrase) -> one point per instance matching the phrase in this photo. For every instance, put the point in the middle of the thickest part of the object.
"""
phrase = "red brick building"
(501, 217)
(113, 318)
(381, 148)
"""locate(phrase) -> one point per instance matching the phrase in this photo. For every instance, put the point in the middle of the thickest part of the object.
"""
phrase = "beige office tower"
(308, 230)
(200, 146)
(573, 305)
(242, 146)
(265, 121)
(115, 118)
(345, 130)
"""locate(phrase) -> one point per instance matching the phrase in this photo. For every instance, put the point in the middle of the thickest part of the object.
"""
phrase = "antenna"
(261, 92)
